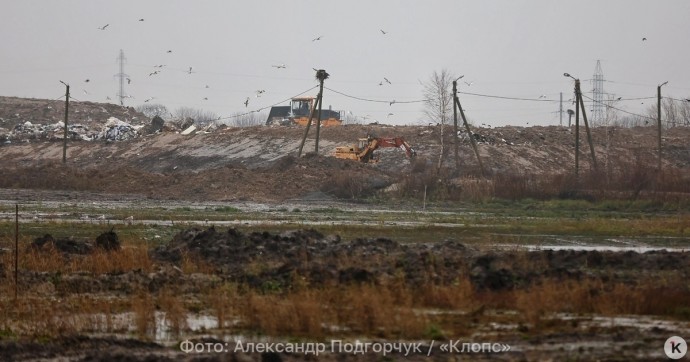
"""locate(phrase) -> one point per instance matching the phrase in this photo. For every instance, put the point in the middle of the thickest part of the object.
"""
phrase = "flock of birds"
(158, 69)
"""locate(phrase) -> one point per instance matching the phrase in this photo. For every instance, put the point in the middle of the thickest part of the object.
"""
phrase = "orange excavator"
(364, 149)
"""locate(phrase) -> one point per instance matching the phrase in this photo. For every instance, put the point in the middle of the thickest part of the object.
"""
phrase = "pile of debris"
(113, 130)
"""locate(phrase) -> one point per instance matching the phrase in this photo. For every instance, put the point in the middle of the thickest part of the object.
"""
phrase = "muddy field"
(307, 261)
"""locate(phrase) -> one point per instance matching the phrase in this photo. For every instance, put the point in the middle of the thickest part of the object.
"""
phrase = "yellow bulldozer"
(364, 149)
(298, 112)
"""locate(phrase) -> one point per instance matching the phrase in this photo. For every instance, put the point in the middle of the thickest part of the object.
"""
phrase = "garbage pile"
(113, 130)
(116, 130)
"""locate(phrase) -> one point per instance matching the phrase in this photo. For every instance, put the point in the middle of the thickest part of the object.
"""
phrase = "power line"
(266, 107)
(620, 110)
(374, 100)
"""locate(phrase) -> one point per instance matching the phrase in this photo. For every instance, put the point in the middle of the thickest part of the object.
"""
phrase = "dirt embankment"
(260, 163)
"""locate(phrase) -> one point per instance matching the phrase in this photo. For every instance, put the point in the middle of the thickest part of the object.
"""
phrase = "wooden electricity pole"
(455, 126)
(321, 75)
(577, 128)
(456, 103)
(64, 140)
(658, 119)
(589, 135)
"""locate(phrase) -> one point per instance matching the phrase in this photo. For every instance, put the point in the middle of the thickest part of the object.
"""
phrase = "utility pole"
(580, 105)
(64, 139)
(455, 125)
(321, 75)
(469, 132)
(658, 118)
(577, 123)
(589, 134)
(560, 110)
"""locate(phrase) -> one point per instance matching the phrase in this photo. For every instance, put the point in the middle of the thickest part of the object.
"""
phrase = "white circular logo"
(675, 347)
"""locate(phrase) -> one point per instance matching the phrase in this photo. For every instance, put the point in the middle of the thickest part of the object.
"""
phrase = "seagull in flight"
(87, 80)
(542, 96)
(391, 103)
(259, 92)
(279, 66)
(246, 103)
(383, 32)
(644, 39)
(169, 51)
(129, 81)
(153, 73)
(317, 38)
(469, 83)
(387, 81)
(149, 99)
(619, 98)
(142, 19)
(189, 71)
(103, 27)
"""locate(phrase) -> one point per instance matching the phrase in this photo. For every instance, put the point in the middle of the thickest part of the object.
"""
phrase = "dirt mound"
(262, 258)
(266, 260)
(107, 241)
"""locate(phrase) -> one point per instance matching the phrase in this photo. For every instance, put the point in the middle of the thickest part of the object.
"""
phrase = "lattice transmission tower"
(121, 77)
(598, 112)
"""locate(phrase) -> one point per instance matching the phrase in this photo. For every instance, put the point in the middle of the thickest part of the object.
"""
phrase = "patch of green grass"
(227, 209)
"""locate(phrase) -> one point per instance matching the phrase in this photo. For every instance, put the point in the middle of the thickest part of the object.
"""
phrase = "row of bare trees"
(200, 117)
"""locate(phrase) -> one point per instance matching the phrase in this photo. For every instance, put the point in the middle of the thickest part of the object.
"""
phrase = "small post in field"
(16, 250)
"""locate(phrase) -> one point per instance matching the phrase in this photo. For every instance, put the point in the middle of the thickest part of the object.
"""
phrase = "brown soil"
(261, 164)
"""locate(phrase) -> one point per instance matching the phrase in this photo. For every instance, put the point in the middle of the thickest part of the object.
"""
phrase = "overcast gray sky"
(506, 48)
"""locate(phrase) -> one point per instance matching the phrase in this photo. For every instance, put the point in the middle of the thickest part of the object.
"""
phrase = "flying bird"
(259, 92)
(87, 80)
(104, 26)
(85, 92)
(142, 19)
(246, 103)
(129, 81)
(153, 73)
(107, 98)
(391, 103)
(169, 51)
(381, 83)
(619, 98)
(207, 86)
(279, 66)
(317, 38)
(149, 99)
(687, 99)
(387, 81)
(189, 71)
(205, 98)
(159, 66)
(383, 32)
(469, 83)
(542, 96)
(644, 39)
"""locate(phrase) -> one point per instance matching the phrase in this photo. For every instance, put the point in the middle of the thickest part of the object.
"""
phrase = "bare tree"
(245, 119)
(438, 103)
(198, 115)
(152, 110)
